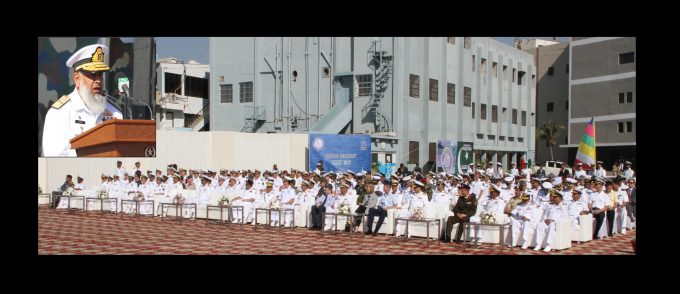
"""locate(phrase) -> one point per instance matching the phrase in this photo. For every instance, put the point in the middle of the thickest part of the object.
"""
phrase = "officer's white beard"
(96, 103)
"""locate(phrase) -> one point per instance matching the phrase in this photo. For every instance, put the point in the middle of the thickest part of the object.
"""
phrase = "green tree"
(548, 132)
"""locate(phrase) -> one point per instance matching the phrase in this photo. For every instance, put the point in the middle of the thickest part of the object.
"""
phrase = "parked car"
(551, 167)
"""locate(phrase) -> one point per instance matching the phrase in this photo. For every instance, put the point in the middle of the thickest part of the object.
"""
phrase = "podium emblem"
(150, 151)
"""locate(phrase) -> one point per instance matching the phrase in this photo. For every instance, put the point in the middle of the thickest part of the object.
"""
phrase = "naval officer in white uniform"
(84, 108)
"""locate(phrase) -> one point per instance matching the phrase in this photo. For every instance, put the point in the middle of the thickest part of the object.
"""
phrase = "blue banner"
(340, 153)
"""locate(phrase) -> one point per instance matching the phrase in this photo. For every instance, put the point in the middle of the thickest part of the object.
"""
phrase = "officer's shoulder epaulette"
(61, 102)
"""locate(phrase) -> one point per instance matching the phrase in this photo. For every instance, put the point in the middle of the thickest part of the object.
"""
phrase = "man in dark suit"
(631, 199)
(463, 210)
(319, 208)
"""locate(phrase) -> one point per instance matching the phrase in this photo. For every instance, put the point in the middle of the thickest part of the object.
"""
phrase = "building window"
(532, 119)
(226, 94)
(501, 138)
(451, 40)
(480, 136)
(622, 98)
(491, 137)
(550, 106)
(520, 139)
(413, 152)
(621, 128)
(494, 113)
(196, 87)
(514, 116)
(365, 83)
(494, 69)
(630, 97)
(483, 66)
(473, 109)
(524, 118)
(173, 83)
(414, 86)
(551, 71)
(169, 116)
(567, 105)
(326, 72)
(514, 71)
(505, 72)
(566, 140)
(482, 111)
(434, 90)
(246, 92)
(473, 63)
(466, 42)
(520, 77)
(432, 154)
(467, 96)
(628, 57)
(629, 126)
(567, 68)
(511, 139)
(450, 93)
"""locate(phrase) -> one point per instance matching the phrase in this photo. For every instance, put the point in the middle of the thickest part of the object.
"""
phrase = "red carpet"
(61, 233)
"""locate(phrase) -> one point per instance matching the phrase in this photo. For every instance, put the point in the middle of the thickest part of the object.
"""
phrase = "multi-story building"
(602, 85)
(407, 92)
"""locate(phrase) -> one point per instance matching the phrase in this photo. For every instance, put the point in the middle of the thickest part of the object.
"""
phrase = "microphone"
(124, 89)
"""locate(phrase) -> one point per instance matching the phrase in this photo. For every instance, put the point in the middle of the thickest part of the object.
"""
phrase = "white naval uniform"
(105, 186)
(259, 184)
(278, 182)
(80, 186)
(579, 173)
(555, 213)
(248, 207)
(160, 195)
(204, 192)
(600, 200)
(566, 197)
(222, 188)
(147, 190)
(441, 197)
(416, 201)
(629, 173)
(339, 200)
(621, 218)
(527, 174)
(521, 227)
(542, 199)
(120, 172)
(71, 119)
(287, 195)
(574, 210)
(601, 172)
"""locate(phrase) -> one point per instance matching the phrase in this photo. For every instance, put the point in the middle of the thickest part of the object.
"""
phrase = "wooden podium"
(117, 138)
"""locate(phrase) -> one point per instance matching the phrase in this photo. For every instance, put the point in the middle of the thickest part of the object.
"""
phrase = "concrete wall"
(602, 58)
(195, 150)
(596, 81)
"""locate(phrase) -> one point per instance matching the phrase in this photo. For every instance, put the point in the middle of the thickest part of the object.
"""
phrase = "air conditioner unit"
(172, 98)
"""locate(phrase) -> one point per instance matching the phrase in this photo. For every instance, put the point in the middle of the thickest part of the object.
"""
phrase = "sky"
(196, 48)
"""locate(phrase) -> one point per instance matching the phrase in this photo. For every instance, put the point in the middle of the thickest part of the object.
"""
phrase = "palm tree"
(548, 132)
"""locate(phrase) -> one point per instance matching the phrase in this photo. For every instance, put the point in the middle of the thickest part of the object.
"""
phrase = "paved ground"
(62, 233)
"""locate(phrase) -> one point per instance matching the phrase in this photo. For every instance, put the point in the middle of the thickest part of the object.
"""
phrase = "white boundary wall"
(196, 150)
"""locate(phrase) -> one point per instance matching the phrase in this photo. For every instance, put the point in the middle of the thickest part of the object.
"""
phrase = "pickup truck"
(551, 167)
